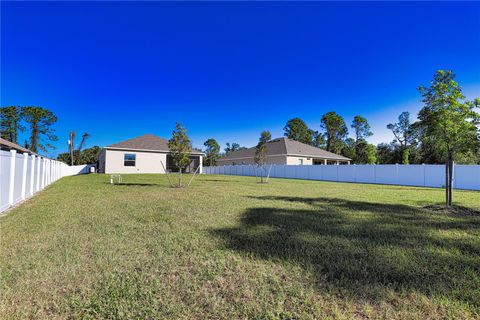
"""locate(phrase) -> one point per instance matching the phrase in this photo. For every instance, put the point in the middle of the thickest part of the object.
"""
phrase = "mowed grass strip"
(230, 248)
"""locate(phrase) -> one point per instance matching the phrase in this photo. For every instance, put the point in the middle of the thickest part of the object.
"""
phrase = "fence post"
(13, 155)
(24, 176)
(32, 175)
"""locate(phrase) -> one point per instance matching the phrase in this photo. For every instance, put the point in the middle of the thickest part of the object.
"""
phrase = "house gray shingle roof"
(285, 146)
(145, 142)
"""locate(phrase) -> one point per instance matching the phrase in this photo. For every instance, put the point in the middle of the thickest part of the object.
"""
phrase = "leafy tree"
(365, 152)
(371, 153)
(180, 147)
(349, 149)
(10, 118)
(233, 147)
(361, 127)
(261, 151)
(86, 156)
(64, 157)
(385, 153)
(405, 134)
(335, 131)
(212, 152)
(296, 129)
(402, 130)
(40, 121)
(449, 120)
(90, 155)
(406, 156)
(318, 140)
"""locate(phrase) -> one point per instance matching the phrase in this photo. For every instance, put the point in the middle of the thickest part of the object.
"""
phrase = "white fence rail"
(22, 175)
(423, 175)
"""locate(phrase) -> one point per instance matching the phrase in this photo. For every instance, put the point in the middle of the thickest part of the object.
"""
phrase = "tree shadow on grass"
(137, 184)
(361, 249)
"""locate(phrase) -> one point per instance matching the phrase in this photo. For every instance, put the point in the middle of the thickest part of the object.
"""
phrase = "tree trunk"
(179, 177)
(450, 182)
(447, 180)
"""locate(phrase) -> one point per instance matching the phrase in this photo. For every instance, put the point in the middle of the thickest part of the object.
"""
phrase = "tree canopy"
(335, 131)
(296, 129)
(447, 119)
(212, 152)
(10, 123)
(41, 122)
(361, 127)
(233, 147)
(261, 149)
(180, 147)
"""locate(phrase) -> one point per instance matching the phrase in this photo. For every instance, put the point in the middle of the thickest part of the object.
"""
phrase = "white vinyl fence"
(22, 175)
(423, 175)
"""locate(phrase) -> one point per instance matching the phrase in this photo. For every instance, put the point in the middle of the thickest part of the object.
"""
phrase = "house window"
(129, 160)
(300, 161)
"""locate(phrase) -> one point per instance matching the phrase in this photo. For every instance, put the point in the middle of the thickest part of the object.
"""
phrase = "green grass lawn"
(229, 248)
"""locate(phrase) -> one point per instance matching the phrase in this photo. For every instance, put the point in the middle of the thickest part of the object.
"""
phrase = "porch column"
(348, 162)
(325, 161)
(338, 162)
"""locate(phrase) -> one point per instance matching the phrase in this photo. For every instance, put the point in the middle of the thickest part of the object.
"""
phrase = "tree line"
(39, 122)
(446, 130)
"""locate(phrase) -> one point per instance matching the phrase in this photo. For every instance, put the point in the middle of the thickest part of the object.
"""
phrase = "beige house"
(144, 154)
(286, 151)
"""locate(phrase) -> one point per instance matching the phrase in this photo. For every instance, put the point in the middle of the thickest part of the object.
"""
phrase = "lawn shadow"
(219, 180)
(361, 249)
(137, 184)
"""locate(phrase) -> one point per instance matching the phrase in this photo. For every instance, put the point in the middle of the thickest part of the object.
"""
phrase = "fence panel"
(411, 175)
(364, 173)
(17, 186)
(21, 176)
(4, 179)
(465, 176)
(330, 173)
(386, 174)
(435, 176)
(28, 181)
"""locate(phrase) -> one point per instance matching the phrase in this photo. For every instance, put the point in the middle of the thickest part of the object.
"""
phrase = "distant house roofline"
(146, 143)
(286, 147)
(7, 145)
(194, 151)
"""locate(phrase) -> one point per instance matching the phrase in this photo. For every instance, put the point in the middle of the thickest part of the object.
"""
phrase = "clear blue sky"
(229, 70)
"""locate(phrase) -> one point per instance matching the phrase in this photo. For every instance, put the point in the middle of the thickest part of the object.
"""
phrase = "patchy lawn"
(230, 248)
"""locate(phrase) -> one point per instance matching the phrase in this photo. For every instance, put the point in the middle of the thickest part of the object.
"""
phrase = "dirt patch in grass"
(454, 210)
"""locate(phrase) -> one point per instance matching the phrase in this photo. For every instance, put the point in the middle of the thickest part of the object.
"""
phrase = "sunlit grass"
(230, 248)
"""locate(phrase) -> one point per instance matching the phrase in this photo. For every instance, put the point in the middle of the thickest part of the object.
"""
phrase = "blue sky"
(229, 70)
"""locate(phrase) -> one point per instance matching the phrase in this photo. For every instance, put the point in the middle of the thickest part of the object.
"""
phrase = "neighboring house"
(285, 151)
(144, 154)
(7, 146)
